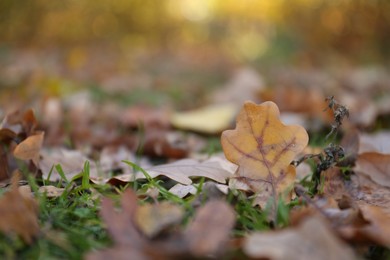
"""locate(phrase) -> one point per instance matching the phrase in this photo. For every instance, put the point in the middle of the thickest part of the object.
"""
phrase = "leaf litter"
(351, 208)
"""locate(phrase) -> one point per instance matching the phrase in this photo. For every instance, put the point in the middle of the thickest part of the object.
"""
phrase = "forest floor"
(112, 156)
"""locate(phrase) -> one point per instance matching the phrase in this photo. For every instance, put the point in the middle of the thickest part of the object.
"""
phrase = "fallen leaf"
(121, 225)
(263, 148)
(20, 123)
(4, 171)
(378, 229)
(111, 160)
(210, 191)
(182, 170)
(19, 213)
(378, 142)
(210, 229)
(154, 218)
(311, 240)
(304, 171)
(334, 183)
(307, 100)
(7, 135)
(367, 192)
(376, 166)
(161, 143)
(123, 230)
(206, 234)
(210, 120)
(359, 209)
(29, 148)
(181, 190)
(71, 161)
(362, 109)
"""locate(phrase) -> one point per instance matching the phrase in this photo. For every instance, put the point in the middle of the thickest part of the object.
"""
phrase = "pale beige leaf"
(211, 119)
(181, 190)
(181, 171)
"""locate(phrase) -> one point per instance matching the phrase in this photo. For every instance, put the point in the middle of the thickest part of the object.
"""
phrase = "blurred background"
(178, 51)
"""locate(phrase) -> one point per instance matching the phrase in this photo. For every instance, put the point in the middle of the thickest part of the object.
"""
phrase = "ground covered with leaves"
(300, 174)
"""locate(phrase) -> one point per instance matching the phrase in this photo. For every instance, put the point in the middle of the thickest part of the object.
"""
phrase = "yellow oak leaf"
(263, 148)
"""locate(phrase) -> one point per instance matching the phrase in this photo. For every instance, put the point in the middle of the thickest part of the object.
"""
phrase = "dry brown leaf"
(121, 225)
(378, 229)
(19, 122)
(210, 229)
(311, 240)
(4, 171)
(367, 192)
(334, 183)
(309, 100)
(19, 213)
(359, 210)
(163, 143)
(152, 219)
(29, 148)
(205, 235)
(129, 240)
(376, 166)
(264, 147)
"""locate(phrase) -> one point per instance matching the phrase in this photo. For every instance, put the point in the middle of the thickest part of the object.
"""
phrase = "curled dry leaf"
(378, 229)
(311, 240)
(263, 148)
(29, 148)
(19, 213)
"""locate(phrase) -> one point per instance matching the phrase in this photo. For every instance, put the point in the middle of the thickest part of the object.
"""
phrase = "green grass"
(70, 227)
